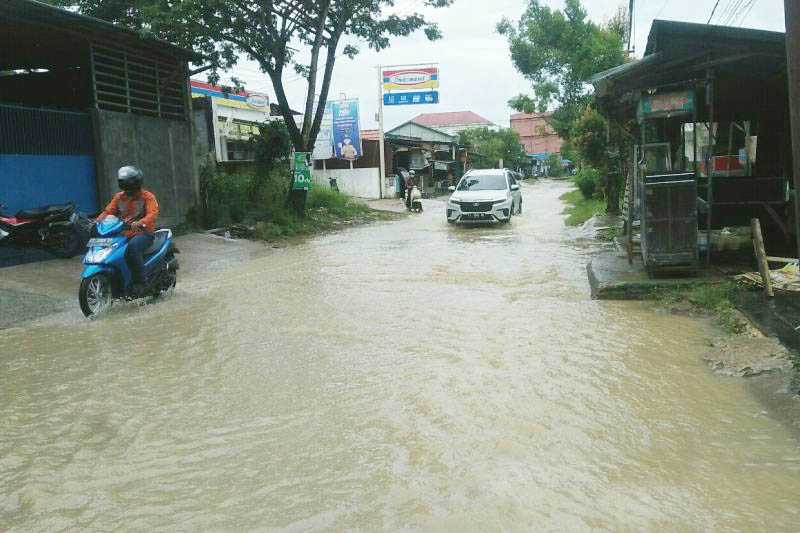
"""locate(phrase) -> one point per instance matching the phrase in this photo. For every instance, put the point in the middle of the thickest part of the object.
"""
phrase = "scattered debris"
(783, 279)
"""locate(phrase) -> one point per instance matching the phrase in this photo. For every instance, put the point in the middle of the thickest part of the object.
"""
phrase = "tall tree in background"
(559, 51)
(496, 146)
(272, 33)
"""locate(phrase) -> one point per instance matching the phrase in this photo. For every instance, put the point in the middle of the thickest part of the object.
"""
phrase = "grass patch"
(325, 210)
(580, 209)
(712, 299)
(253, 204)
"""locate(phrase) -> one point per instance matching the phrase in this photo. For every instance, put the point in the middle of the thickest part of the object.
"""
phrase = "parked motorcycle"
(58, 228)
(107, 277)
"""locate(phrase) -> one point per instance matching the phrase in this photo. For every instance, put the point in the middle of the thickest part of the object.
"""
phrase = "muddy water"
(405, 375)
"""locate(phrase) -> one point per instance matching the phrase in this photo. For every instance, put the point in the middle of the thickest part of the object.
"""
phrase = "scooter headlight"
(3, 234)
(97, 255)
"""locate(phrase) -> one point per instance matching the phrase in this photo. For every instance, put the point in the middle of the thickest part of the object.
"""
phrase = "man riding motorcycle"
(137, 207)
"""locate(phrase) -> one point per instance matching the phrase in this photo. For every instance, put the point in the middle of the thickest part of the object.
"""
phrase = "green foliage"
(336, 203)
(272, 146)
(590, 138)
(259, 200)
(559, 51)
(588, 181)
(714, 299)
(554, 166)
(495, 146)
(580, 209)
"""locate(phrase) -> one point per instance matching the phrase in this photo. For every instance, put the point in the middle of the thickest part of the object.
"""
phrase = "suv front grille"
(476, 207)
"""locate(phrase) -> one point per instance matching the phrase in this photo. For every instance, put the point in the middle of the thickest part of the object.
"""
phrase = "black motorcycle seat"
(46, 211)
(158, 241)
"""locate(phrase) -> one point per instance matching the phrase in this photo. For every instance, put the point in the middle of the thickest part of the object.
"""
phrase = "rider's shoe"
(138, 290)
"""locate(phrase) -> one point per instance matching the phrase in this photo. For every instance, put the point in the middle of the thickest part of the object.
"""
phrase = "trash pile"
(783, 279)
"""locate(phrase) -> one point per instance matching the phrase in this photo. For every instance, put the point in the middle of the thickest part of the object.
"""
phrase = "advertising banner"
(302, 171)
(411, 98)
(411, 79)
(323, 148)
(346, 130)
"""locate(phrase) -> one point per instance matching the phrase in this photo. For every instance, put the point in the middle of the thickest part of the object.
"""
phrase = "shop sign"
(411, 79)
(667, 104)
(258, 101)
(411, 98)
(302, 171)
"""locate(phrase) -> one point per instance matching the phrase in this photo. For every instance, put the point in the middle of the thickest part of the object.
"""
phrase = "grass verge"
(326, 210)
(710, 299)
(580, 209)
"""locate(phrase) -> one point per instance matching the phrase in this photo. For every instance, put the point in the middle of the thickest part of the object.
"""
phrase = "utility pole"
(630, 25)
(381, 140)
(792, 12)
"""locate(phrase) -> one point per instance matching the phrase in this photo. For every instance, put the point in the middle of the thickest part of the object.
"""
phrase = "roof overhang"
(59, 20)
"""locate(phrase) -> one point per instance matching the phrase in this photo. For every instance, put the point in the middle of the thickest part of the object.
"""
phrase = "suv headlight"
(504, 200)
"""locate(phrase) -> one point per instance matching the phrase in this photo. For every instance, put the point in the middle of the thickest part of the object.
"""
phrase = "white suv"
(485, 196)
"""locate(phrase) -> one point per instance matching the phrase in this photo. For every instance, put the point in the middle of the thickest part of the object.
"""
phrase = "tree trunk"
(308, 122)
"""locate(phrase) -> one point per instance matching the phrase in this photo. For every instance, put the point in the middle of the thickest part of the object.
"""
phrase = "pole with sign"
(416, 85)
(381, 140)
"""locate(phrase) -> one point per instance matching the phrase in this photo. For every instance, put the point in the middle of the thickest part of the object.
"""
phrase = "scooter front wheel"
(95, 295)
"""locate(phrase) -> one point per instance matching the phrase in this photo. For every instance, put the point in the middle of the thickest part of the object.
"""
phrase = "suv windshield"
(483, 183)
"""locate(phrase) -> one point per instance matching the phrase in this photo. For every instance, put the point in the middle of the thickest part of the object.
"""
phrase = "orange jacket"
(142, 208)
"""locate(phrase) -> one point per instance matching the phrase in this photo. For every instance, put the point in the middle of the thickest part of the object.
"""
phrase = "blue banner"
(346, 129)
(411, 98)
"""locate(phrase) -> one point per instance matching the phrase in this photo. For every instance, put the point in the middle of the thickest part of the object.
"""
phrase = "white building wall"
(357, 182)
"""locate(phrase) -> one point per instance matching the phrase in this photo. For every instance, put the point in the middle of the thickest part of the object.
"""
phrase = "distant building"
(536, 134)
(455, 122)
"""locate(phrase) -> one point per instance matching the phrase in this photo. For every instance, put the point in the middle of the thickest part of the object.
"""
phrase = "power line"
(734, 12)
(716, 5)
(745, 12)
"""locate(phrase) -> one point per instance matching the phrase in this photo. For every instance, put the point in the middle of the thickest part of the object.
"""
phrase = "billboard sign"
(346, 130)
(411, 79)
(411, 98)
(323, 148)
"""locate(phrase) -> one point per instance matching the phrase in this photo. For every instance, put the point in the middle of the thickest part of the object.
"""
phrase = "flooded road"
(403, 375)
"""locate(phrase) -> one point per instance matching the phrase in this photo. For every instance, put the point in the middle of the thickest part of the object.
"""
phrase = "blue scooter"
(107, 277)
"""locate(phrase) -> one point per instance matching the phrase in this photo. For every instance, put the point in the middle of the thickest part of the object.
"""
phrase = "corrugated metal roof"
(457, 118)
(34, 11)
(664, 33)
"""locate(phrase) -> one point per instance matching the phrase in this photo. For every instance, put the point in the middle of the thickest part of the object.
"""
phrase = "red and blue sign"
(215, 91)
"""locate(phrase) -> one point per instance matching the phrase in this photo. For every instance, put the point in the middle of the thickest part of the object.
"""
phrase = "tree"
(559, 51)
(271, 33)
(496, 146)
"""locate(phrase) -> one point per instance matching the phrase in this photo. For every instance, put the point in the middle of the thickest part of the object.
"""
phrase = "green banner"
(667, 104)
(302, 171)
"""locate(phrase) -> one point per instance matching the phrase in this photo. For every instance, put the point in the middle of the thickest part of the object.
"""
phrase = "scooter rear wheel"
(95, 295)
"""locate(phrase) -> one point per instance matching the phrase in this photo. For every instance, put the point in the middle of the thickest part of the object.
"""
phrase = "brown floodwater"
(401, 375)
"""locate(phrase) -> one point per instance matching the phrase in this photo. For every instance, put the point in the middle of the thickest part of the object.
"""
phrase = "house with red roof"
(453, 123)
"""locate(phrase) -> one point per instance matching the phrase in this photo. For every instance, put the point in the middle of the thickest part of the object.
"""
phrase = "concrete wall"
(162, 148)
(359, 182)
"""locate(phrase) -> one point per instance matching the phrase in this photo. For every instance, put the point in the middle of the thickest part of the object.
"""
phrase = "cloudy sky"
(475, 67)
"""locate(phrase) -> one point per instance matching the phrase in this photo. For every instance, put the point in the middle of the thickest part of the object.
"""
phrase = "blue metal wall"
(46, 157)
